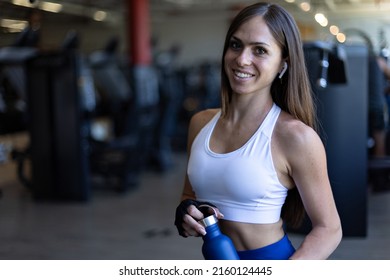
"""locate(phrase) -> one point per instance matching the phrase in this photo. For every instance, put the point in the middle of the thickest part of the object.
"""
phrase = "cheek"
(229, 57)
(229, 60)
(269, 67)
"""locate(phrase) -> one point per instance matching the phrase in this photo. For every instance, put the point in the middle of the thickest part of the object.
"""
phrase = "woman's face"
(253, 58)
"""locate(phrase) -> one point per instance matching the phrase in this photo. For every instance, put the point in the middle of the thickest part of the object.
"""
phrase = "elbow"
(334, 234)
(336, 231)
(339, 233)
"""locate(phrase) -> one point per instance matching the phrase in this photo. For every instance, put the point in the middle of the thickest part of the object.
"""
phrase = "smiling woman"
(253, 58)
(258, 160)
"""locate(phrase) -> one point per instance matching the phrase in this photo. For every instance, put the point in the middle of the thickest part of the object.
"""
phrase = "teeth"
(242, 75)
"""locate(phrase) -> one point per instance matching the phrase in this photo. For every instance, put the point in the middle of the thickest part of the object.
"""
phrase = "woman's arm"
(190, 220)
(308, 168)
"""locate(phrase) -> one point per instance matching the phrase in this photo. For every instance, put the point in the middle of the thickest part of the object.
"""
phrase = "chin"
(241, 91)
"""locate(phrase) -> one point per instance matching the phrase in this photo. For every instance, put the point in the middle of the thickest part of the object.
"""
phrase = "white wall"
(201, 38)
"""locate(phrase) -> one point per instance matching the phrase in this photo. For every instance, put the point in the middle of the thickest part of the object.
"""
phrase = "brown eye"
(260, 51)
(234, 45)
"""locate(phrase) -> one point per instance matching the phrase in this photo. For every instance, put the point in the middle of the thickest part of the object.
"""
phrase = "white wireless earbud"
(284, 69)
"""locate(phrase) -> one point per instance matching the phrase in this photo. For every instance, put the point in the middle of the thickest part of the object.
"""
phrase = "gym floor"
(135, 225)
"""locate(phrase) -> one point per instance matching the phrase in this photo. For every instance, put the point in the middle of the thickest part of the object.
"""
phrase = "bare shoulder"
(293, 136)
(296, 149)
(198, 121)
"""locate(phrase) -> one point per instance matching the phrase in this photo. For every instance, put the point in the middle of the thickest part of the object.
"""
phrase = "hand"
(188, 214)
(190, 224)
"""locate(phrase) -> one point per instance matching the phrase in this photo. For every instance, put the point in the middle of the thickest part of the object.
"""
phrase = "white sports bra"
(243, 183)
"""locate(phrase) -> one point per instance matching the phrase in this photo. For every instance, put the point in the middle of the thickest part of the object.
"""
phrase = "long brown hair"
(292, 93)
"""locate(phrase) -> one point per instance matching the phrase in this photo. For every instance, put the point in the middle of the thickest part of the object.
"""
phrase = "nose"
(244, 58)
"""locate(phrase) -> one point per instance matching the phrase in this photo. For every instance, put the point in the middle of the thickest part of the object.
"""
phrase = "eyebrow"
(251, 43)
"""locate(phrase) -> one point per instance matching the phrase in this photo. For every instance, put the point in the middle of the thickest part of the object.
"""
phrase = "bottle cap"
(210, 220)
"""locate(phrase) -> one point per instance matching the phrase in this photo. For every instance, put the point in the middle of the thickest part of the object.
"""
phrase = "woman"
(258, 159)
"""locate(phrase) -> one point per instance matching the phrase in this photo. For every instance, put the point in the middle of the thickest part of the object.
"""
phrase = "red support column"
(139, 32)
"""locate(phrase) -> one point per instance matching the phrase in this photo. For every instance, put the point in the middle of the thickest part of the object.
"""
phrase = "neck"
(248, 110)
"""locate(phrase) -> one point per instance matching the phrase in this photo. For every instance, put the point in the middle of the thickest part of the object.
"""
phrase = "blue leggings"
(281, 250)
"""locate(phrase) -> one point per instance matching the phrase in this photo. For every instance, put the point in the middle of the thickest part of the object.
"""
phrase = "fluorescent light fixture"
(43, 5)
(50, 7)
(23, 3)
(13, 24)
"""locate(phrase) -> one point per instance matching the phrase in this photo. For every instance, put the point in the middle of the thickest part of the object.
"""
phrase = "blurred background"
(95, 100)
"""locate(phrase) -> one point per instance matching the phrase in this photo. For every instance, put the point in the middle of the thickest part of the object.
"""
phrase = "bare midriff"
(247, 236)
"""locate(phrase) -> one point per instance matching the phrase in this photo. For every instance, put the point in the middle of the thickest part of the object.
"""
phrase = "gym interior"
(95, 101)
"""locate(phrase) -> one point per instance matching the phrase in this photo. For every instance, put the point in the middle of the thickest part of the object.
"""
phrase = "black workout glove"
(181, 210)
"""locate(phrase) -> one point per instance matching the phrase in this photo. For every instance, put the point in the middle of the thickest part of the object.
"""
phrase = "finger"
(192, 227)
(195, 213)
(189, 231)
(218, 214)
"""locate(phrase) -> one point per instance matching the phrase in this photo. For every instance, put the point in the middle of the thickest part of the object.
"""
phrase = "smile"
(242, 74)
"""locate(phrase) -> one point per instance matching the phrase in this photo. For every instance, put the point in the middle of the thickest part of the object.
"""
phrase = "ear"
(284, 69)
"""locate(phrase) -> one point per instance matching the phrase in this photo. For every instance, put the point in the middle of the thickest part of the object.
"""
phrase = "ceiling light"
(23, 3)
(341, 37)
(334, 30)
(13, 24)
(321, 19)
(305, 6)
(50, 7)
(100, 15)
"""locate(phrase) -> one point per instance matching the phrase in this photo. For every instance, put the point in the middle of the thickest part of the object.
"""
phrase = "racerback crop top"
(243, 183)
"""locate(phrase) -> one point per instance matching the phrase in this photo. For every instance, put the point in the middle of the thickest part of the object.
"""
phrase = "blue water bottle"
(216, 245)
